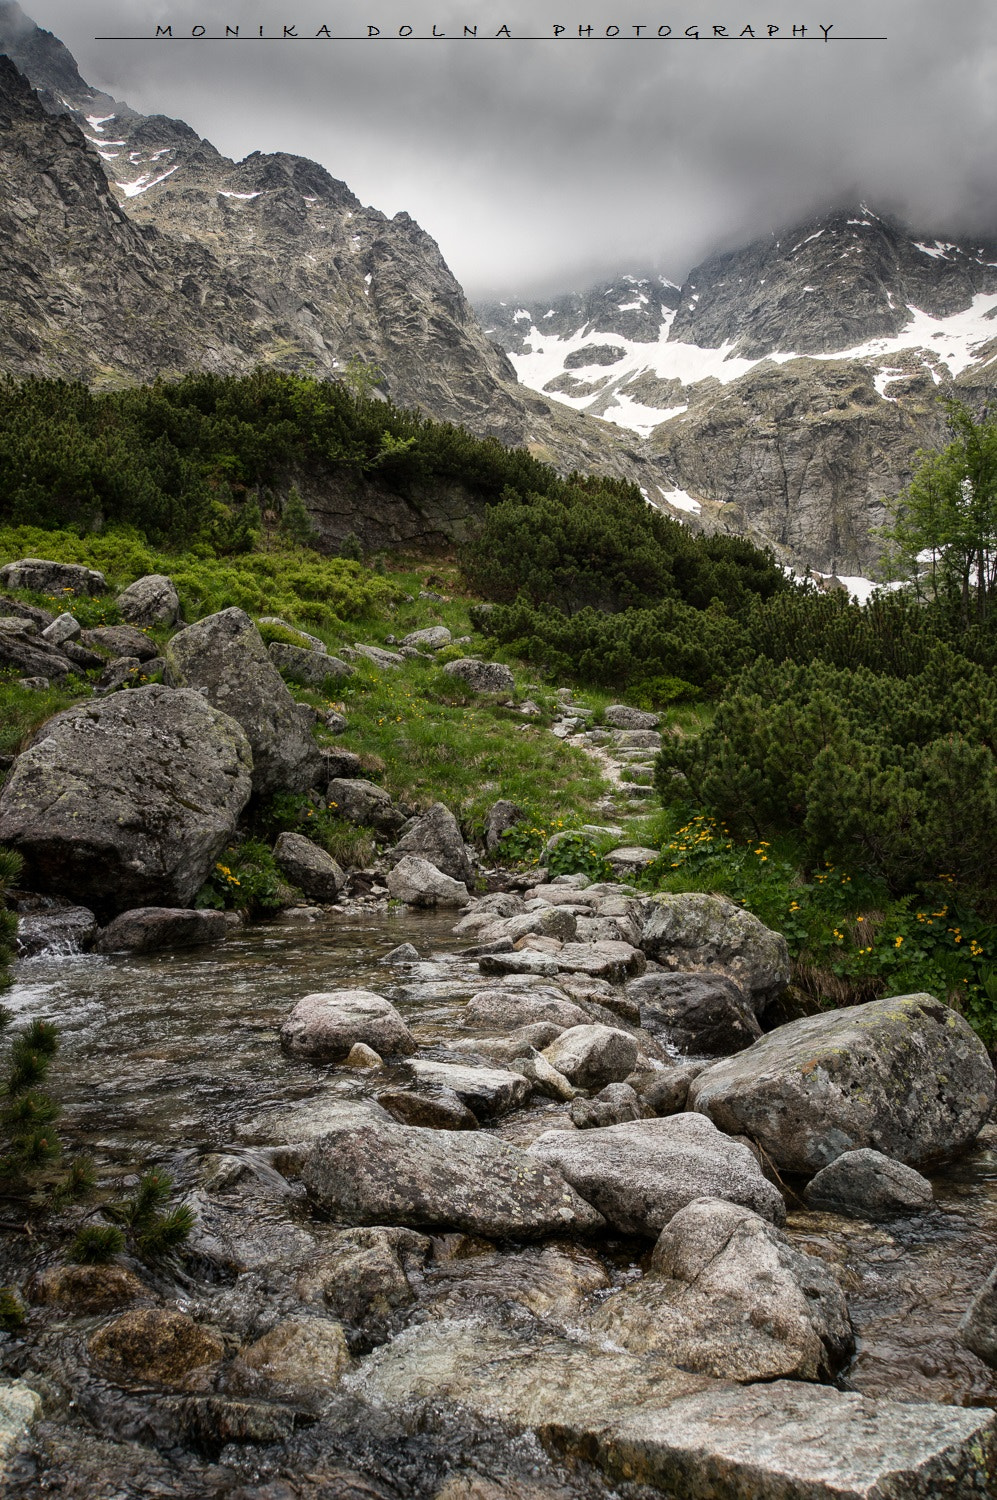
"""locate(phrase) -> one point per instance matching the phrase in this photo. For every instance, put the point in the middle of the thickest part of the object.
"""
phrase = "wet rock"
(550, 1281)
(20, 1408)
(44, 577)
(476, 1487)
(433, 638)
(868, 1185)
(419, 883)
(622, 716)
(614, 961)
(515, 1046)
(308, 867)
(524, 962)
(978, 1326)
(502, 816)
(152, 600)
(68, 929)
(155, 1344)
(866, 1076)
(696, 931)
(150, 929)
(312, 668)
(300, 1354)
(441, 1109)
(362, 1056)
(463, 1180)
(121, 640)
(481, 676)
(727, 1295)
(364, 803)
(405, 953)
(216, 1421)
(130, 798)
(708, 1014)
(436, 837)
(365, 1273)
(613, 1105)
(324, 1027)
(224, 658)
(89, 1289)
(677, 1432)
(639, 1174)
(592, 1056)
(486, 1092)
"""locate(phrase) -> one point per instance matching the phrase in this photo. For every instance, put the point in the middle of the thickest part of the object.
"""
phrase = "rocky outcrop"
(127, 800)
(864, 1077)
(639, 1174)
(462, 1180)
(59, 579)
(223, 657)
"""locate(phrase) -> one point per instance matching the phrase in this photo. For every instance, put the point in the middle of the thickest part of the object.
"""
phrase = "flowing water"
(175, 1060)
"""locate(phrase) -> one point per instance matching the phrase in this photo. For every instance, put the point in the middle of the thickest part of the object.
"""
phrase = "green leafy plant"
(142, 1224)
(245, 879)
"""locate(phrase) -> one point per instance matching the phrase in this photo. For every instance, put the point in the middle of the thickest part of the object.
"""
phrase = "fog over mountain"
(545, 165)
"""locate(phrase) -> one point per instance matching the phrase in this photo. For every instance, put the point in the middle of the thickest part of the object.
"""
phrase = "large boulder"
(364, 803)
(639, 1174)
(224, 658)
(502, 816)
(727, 1295)
(697, 931)
(151, 600)
(121, 640)
(448, 1179)
(906, 1076)
(707, 1014)
(866, 1184)
(45, 577)
(436, 836)
(313, 668)
(481, 676)
(127, 801)
(622, 716)
(308, 867)
(326, 1027)
(418, 883)
(150, 929)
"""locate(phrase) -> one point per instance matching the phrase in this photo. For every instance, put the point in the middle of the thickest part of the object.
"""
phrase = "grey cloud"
(548, 165)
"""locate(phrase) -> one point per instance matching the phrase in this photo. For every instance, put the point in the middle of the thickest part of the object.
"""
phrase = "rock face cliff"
(785, 388)
(132, 248)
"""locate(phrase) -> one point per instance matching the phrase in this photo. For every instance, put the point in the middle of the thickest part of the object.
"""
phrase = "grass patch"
(24, 710)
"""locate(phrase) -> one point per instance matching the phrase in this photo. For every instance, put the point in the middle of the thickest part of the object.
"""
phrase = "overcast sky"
(545, 166)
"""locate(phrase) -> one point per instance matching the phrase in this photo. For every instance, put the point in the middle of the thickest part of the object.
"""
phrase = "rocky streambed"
(468, 1242)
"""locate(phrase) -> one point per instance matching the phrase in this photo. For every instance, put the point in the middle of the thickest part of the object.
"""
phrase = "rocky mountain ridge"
(134, 249)
(786, 386)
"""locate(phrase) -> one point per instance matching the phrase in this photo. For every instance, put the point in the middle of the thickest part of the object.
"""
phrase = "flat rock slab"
(867, 1076)
(487, 1092)
(639, 1174)
(602, 960)
(326, 1027)
(463, 1180)
(690, 1437)
(524, 962)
